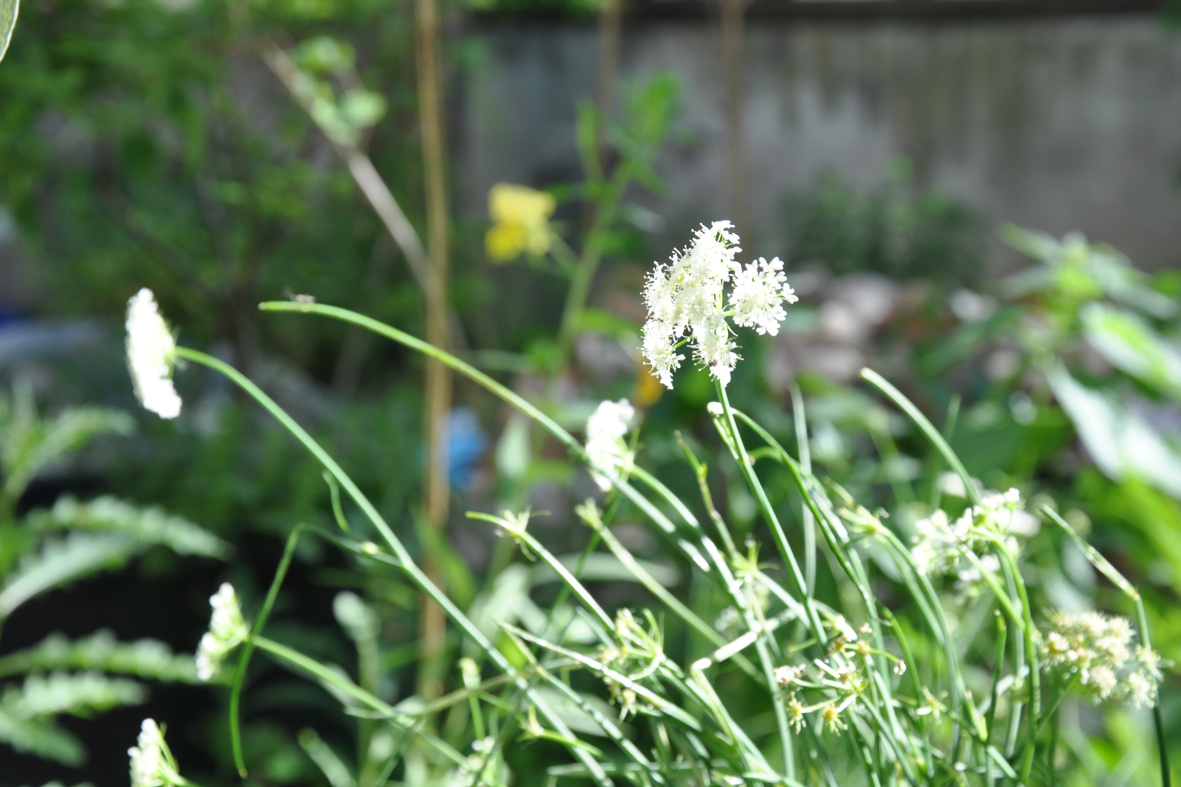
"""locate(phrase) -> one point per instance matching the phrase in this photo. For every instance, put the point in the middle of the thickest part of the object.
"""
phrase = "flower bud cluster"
(830, 687)
(940, 543)
(152, 763)
(227, 630)
(687, 304)
(639, 652)
(1096, 649)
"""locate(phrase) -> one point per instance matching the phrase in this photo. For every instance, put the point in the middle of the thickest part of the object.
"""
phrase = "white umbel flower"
(605, 445)
(227, 630)
(152, 763)
(687, 304)
(150, 350)
(760, 289)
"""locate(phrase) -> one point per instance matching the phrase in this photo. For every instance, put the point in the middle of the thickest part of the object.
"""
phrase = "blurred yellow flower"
(648, 388)
(520, 218)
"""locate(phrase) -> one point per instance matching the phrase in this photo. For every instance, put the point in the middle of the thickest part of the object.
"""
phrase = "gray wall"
(1055, 124)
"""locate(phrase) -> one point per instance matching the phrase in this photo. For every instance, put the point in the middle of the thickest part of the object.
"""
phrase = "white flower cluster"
(939, 543)
(830, 687)
(1097, 649)
(686, 303)
(150, 350)
(605, 445)
(227, 630)
(152, 763)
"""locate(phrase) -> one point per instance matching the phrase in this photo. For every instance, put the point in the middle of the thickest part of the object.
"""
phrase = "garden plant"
(760, 679)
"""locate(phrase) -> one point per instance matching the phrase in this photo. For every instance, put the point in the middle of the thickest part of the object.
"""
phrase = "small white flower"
(227, 630)
(606, 448)
(1141, 690)
(152, 764)
(759, 292)
(150, 351)
(660, 348)
(787, 675)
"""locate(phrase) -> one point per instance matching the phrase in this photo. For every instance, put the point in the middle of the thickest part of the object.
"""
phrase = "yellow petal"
(504, 241)
(508, 202)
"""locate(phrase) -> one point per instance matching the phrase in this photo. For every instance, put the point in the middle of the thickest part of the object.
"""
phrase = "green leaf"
(40, 738)
(1122, 443)
(328, 761)
(1132, 346)
(28, 443)
(145, 658)
(76, 694)
(355, 617)
(9, 9)
(324, 55)
(147, 525)
(60, 562)
(361, 108)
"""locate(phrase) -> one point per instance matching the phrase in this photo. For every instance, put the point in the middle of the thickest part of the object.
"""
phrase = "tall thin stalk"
(438, 376)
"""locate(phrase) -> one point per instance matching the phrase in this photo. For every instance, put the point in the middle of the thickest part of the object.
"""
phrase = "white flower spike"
(686, 303)
(227, 630)
(150, 351)
(152, 763)
(605, 444)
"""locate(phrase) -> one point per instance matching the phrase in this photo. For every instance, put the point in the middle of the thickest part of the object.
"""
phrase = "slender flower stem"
(399, 551)
(926, 427)
(509, 396)
(756, 486)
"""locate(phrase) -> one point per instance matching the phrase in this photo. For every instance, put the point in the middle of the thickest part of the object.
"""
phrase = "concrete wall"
(1055, 124)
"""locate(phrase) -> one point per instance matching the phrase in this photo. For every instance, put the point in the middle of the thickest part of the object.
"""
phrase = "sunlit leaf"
(1120, 442)
(362, 108)
(145, 658)
(147, 525)
(1132, 346)
(9, 10)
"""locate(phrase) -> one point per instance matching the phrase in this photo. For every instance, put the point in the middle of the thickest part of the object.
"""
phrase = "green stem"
(504, 393)
(346, 686)
(756, 486)
(801, 424)
(926, 427)
(403, 557)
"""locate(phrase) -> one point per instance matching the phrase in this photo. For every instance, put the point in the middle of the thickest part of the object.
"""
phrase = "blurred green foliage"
(50, 549)
(895, 229)
(145, 143)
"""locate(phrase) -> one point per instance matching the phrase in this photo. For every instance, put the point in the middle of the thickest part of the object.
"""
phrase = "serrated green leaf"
(9, 10)
(40, 738)
(30, 443)
(145, 658)
(75, 694)
(63, 561)
(147, 525)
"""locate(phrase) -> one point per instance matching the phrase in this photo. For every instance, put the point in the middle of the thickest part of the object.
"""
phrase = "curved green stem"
(926, 427)
(503, 392)
(406, 562)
